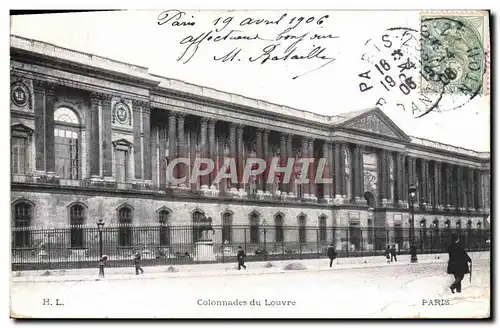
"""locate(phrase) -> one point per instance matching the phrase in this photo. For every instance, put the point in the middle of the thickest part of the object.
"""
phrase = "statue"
(205, 227)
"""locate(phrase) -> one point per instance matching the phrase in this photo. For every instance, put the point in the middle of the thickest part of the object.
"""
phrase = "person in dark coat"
(137, 262)
(458, 263)
(393, 253)
(332, 255)
(102, 263)
(387, 254)
(241, 258)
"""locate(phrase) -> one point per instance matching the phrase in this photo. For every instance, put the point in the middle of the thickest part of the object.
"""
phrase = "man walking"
(393, 253)
(137, 262)
(331, 254)
(241, 258)
(458, 263)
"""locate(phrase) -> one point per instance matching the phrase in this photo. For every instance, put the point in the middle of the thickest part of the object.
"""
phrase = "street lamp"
(100, 226)
(264, 225)
(412, 197)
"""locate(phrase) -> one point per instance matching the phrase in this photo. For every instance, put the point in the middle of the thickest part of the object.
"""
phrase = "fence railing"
(80, 246)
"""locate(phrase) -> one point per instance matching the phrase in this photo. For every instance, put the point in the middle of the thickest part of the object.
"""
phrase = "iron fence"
(80, 246)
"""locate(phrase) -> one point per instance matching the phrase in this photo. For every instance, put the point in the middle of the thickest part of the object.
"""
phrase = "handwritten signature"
(288, 44)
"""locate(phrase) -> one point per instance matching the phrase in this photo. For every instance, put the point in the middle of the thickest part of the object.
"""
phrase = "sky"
(342, 47)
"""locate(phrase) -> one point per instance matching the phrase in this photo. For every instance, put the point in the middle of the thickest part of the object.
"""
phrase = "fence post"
(348, 242)
(317, 243)
(245, 239)
(48, 248)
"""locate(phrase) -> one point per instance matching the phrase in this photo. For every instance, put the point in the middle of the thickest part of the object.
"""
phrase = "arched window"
(197, 216)
(278, 227)
(254, 228)
(302, 229)
(227, 222)
(76, 220)
(125, 229)
(163, 219)
(67, 143)
(23, 216)
(322, 229)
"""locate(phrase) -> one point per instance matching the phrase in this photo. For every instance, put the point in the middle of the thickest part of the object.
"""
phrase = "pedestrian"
(458, 263)
(102, 262)
(387, 254)
(137, 262)
(241, 258)
(393, 253)
(331, 254)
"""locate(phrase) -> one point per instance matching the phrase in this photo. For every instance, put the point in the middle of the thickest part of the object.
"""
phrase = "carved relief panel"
(121, 113)
(21, 94)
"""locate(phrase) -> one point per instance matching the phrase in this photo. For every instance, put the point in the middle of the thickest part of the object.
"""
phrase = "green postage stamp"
(454, 53)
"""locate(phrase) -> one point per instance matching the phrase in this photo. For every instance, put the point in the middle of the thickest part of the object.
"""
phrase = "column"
(312, 170)
(162, 143)
(343, 180)
(182, 153)
(50, 99)
(428, 183)
(326, 153)
(383, 176)
(107, 137)
(470, 189)
(283, 186)
(448, 178)
(478, 195)
(387, 183)
(240, 152)
(305, 154)
(146, 140)
(338, 173)
(172, 144)
(267, 157)
(399, 181)
(422, 183)
(404, 176)
(212, 150)
(464, 187)
(435, 184)
(361, 174)
(94, 149)
(258, 151)
(204, 148)
(331, 170)
(232, 150)
(137, 115)
(154, 156)
(458, 186)
(289, 154)
(39, 95)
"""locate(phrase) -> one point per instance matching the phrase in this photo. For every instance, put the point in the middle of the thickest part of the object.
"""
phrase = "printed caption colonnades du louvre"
(124, 183)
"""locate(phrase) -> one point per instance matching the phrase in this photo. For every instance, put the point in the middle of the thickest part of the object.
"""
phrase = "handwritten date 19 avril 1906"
(284, 46)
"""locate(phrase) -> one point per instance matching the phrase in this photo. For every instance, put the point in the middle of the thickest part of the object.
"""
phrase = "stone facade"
(129, 124)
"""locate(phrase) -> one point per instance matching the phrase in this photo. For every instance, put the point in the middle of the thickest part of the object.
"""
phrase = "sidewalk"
(227, 269)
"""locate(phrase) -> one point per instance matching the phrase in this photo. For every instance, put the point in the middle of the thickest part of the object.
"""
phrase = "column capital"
(310, 140)
(259, 131)
(203, 120)
(212, 121)
(181, 115)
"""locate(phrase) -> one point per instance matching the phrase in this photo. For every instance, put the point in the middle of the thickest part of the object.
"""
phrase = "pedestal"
(205, 251)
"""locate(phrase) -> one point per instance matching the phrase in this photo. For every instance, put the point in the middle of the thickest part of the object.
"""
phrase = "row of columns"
(441, 184)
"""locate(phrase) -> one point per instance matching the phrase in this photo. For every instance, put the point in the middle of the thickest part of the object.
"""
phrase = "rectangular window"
(66, 152)
(18, 155)
(322, 231)
(121, 166)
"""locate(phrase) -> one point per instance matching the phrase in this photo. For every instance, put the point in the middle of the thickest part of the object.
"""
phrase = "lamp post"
(100, 226)
(413, 249)
(264, 225)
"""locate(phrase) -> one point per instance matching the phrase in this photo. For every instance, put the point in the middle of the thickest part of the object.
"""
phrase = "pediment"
(375, 121)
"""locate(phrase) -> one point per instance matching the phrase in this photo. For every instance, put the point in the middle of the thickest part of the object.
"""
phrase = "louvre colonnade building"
(92, 137)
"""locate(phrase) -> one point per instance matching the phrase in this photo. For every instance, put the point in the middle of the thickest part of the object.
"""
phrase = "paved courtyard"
(392, 291)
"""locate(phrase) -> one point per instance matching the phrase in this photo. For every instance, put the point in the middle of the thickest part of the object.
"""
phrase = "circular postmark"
(439, 68)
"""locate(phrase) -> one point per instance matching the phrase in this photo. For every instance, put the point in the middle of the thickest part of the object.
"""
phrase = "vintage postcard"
(181, 163)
